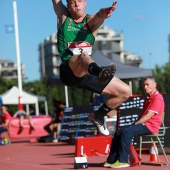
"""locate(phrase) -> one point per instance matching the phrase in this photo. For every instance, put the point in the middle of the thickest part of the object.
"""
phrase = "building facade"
(107, 42)
(8, 70)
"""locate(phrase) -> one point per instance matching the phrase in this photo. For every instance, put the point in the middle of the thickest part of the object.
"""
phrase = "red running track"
(52, 156)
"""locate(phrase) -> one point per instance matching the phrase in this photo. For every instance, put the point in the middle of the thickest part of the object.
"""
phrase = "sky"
(145, 25)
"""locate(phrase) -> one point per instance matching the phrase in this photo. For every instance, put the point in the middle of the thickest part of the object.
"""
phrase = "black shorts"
(2, 129)
(21, 114)
(57, 120)
(88, 82)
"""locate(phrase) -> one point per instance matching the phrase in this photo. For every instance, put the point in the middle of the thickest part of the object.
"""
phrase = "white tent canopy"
(11, 98)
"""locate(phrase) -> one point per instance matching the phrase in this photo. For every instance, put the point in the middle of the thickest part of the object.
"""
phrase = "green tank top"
(73, 38)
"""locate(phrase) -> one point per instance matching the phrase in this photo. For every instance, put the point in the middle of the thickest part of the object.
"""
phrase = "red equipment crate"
(93, 146)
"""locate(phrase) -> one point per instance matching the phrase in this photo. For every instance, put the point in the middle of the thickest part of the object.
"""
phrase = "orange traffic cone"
(153, 153)
(154, 157)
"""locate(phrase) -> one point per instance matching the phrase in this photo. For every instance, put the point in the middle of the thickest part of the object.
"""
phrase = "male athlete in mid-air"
(76, 36)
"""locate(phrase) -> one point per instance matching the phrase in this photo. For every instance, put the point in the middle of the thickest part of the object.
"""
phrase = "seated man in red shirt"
(149, 122)
(5, 118)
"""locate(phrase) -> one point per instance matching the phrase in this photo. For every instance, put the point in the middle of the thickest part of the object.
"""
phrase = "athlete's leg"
(79, 64)
(119, 92)
(83, 64)
(21, 121)
(31, 123)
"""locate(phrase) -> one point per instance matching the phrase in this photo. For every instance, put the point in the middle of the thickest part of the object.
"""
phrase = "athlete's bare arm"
(61, 11)
(96, 20)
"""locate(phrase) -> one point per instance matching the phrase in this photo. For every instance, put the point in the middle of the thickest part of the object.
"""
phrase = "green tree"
(162, 76)
(167, 77)
(5, 85)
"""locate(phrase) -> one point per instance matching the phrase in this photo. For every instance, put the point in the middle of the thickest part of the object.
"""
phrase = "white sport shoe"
(99, 124)
(55, 140)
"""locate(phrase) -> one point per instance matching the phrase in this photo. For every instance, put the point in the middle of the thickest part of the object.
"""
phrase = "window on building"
(48, 50)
